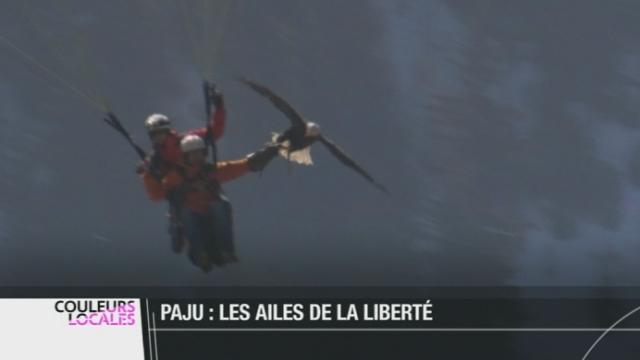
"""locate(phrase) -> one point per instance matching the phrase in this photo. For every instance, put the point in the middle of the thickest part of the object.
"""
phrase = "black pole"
(208, 90)
(113, 121)
(206, 87)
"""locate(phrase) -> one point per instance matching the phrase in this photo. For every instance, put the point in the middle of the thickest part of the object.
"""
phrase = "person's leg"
(175, 229)
(223, 227)
(213, 241)
(193, 228)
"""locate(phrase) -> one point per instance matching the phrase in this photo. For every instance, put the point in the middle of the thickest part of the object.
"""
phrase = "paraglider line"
(51, 73)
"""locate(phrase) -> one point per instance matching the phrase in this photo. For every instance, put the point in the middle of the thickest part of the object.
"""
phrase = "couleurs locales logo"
(98, 312)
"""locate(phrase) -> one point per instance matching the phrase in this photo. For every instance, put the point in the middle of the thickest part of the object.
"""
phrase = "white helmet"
(157, 122)
(191, 143)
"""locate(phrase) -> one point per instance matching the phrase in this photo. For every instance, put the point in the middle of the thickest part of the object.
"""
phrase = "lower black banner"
(322, 323)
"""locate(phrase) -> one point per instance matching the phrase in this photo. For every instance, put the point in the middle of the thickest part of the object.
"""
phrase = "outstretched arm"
(257, 161)
(230, 170)
(217, 120)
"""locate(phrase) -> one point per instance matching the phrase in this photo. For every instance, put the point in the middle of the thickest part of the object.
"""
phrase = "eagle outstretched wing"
(295, 117)
(348, 161)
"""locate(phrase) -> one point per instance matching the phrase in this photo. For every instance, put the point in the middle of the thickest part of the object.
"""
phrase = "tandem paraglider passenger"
(206, 222)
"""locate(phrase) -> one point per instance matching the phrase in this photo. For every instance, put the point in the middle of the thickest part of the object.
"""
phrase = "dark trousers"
(211, 232)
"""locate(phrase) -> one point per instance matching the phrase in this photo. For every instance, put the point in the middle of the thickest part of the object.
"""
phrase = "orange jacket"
(197, 182)
(152, 186)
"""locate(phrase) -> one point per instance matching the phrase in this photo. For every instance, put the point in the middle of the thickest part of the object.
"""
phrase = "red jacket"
(170, 151)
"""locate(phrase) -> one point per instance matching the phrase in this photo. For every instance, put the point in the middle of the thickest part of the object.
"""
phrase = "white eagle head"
(313, 130)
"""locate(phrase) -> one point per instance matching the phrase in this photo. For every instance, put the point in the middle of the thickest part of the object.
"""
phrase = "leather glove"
(259, 159)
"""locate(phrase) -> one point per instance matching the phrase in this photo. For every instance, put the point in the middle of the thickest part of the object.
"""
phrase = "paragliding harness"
(194, 183)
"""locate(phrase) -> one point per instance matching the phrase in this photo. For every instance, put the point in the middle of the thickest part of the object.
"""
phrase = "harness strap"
(212, 185)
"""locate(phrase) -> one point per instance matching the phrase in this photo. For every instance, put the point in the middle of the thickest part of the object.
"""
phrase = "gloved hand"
(143, 166)
(216, 97)
(259, 159)
(149, 165)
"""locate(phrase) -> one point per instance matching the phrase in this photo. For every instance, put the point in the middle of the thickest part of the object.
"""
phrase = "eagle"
(295, 143)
